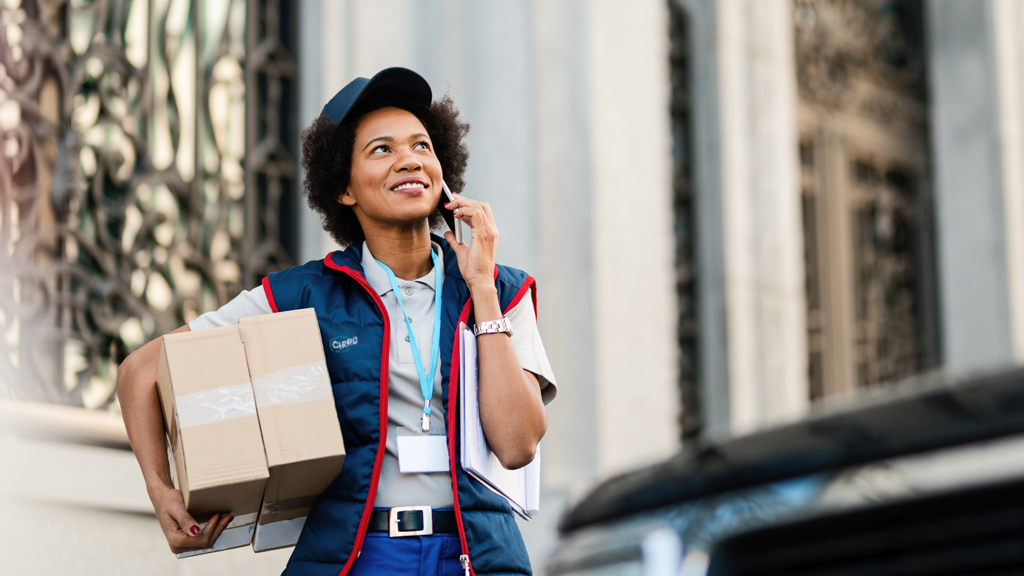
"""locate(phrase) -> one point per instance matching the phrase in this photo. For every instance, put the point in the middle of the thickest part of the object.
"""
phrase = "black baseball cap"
(401, 80)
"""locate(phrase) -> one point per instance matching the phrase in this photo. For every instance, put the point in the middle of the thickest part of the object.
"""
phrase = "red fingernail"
(194, 529)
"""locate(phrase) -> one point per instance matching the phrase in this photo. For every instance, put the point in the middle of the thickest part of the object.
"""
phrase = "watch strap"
(493, 326)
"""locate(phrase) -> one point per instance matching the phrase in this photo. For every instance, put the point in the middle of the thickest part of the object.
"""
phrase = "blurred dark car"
(924, 479)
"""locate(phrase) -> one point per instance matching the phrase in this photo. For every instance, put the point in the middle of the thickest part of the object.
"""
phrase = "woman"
(375, 161)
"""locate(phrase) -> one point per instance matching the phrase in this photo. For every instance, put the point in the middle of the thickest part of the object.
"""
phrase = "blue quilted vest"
(350, 311)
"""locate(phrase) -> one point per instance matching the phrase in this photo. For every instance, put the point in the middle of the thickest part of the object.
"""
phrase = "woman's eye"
(381, 148)
(421, 146)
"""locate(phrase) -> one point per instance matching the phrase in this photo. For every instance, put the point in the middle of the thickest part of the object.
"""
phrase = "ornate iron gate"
(146, 164)
(867, 206)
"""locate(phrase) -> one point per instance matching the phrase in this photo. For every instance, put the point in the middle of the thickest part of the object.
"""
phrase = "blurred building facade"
(733, 208)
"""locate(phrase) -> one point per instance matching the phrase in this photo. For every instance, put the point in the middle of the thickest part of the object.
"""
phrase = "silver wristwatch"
(493, 327)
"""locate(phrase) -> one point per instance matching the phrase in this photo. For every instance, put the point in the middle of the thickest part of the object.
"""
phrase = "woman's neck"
(405, 251)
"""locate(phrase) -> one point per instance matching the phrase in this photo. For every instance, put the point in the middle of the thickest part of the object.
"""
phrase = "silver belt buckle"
(428, 521)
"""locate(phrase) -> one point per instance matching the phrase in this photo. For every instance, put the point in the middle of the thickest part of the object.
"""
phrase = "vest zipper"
(464, 560)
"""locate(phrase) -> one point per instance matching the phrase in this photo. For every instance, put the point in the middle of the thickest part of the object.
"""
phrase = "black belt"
(413, 521)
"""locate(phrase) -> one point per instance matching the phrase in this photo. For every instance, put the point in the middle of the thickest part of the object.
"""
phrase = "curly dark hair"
(327, 157)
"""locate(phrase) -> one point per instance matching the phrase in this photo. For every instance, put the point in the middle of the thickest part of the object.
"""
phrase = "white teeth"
(410, 185)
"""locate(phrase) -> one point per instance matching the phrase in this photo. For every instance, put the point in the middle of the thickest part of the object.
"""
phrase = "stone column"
(634, 315)
(497, 96)
(975, 64)
(309, 58)
(325, 63)
(1009, 24)
(749, 233)
(564, 187)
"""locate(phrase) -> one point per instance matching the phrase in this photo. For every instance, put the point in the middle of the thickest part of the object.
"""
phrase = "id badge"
(419, 452)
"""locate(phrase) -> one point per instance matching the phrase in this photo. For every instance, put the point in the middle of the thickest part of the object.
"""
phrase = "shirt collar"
(378, 278)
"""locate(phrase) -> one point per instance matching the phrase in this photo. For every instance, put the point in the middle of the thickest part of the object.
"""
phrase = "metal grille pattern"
(886, 308)
(685, 233)
(866, 202)
(130, 192)
(815, 309)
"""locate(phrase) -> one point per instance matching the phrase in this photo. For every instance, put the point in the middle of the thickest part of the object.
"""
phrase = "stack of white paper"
(520, 487)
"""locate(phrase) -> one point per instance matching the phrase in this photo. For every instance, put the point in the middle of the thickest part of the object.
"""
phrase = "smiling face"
(395, 179)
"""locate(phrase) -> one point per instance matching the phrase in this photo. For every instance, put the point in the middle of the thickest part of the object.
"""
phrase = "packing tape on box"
(293, 385)
(243, 519)
(240, 520)
(215, 405)
(288, 504)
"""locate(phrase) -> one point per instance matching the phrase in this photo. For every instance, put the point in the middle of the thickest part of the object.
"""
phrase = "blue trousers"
(435, 555)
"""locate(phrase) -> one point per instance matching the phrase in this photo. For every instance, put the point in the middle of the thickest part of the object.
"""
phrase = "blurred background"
(734, 209)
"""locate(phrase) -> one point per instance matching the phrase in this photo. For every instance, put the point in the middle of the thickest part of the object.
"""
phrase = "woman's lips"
(410, 186)
(411, 191)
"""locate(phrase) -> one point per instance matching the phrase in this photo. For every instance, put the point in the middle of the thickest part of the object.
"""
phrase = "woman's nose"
(406, 160)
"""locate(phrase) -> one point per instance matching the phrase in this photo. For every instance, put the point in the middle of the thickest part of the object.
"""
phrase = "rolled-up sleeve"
(248, 303)
(530, 349)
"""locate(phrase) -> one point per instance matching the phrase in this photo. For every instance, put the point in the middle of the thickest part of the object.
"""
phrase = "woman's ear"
(346, 198)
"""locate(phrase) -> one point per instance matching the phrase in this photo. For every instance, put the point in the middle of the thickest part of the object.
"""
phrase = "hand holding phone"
(449, 215)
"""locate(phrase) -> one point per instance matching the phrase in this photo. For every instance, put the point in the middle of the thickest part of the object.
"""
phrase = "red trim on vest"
(453, 394)
(453, 380)
(378, 462)
(531, 285)
(269, 293)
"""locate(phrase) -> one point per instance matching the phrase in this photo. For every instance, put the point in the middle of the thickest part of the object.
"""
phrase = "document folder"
(520, 487)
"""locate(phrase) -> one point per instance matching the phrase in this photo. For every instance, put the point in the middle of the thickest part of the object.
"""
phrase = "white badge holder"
(421, 453)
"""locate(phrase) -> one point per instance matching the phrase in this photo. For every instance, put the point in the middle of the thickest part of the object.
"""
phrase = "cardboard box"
(301, 433)
(210, 416)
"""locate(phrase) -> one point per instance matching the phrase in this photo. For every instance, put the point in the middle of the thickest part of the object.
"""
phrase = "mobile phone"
(449, 216)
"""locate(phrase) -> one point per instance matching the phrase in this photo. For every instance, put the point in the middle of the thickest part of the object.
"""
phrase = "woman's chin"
(405, 222)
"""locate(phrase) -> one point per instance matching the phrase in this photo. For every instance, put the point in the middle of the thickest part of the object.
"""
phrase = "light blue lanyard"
(426, 378)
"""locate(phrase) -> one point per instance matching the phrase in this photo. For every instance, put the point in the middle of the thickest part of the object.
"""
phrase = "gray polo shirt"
(405, 401)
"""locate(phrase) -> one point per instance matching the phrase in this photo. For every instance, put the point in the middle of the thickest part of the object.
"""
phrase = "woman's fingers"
(468, 209)
(476, 261)
(477, 215)
(206, 538)
(176, 510)
(183, 542)
(218, 527)
(183, 532)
